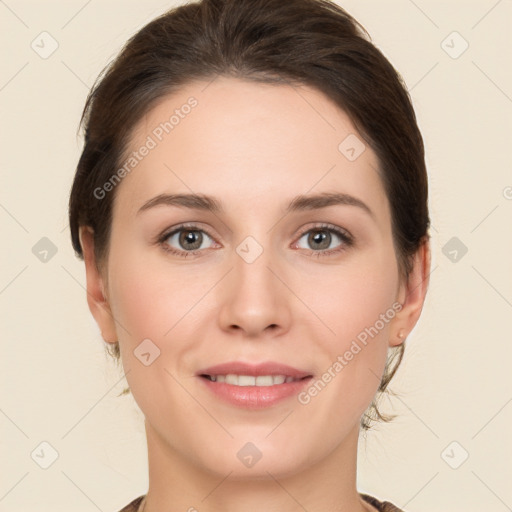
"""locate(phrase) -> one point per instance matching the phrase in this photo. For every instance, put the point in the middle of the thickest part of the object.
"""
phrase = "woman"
(280, 144)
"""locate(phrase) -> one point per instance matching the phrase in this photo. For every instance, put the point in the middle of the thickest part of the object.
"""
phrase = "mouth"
(253, 386)
(253, 380)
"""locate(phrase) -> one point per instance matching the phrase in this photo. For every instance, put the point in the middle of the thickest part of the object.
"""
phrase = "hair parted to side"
(293, 42)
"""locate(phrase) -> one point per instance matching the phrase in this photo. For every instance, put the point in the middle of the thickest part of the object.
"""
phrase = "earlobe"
(96, 288)
(412, 295)
(400, 336)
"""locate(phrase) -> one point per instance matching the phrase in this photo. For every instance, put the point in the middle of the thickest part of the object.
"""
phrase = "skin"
(254, 147)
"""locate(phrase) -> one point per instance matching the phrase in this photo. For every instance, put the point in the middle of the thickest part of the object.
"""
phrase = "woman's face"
(304, 288)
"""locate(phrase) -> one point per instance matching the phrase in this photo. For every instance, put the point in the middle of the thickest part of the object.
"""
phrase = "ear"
(96, 296)
(412, 295)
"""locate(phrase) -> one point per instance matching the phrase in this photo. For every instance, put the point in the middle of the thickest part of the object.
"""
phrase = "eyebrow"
(298, 203)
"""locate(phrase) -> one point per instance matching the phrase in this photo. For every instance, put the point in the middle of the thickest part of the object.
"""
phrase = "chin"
(254, 460)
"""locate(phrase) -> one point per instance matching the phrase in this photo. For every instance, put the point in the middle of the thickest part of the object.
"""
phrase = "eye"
(321, 238)
(185, 239)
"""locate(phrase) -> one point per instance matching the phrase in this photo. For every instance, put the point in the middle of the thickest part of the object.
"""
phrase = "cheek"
(149, 299)
(152, 309)
(165, 305)
(356, 304)
(351, 298)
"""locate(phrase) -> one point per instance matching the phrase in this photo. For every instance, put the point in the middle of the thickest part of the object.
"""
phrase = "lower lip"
(255, 397)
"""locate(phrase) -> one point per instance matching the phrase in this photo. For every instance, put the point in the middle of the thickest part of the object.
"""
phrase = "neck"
(175, 483)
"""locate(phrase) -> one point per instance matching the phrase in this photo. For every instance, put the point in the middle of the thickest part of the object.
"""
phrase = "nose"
(254, 299)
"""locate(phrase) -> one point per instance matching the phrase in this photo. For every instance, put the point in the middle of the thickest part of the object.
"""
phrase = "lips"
(253, 386)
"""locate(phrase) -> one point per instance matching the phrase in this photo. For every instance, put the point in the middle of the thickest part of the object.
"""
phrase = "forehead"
(246, 141)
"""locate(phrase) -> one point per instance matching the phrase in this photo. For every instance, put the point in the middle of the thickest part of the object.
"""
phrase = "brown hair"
(305, 42)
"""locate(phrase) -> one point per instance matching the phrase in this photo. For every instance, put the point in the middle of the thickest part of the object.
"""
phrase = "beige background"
(57, 386)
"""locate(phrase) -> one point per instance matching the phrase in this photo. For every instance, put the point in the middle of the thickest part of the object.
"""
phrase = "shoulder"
(134, 505)
(381, 506)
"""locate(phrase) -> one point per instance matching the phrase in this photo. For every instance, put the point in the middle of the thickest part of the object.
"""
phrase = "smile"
(253, 386)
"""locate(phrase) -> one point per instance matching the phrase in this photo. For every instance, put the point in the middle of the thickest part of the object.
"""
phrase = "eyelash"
(346, 238)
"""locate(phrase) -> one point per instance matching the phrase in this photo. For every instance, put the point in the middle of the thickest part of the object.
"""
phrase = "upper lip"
(241, 368)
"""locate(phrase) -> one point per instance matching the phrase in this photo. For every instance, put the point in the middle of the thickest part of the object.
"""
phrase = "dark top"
(381, 506)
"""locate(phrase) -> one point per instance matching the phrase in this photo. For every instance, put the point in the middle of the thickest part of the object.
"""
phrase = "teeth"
(231, 379)
(250, 380)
